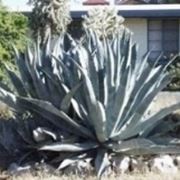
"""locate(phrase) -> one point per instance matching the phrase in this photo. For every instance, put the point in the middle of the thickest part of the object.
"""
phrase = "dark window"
(163, 37)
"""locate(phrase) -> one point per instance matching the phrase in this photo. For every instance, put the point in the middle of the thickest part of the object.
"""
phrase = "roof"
(139, 11)
(135, 10)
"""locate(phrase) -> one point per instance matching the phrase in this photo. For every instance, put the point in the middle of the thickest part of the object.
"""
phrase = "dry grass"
(45, 176)
(5, 111)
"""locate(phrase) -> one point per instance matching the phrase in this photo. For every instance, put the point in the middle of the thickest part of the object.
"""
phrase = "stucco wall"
(139, 28)
(179, 35)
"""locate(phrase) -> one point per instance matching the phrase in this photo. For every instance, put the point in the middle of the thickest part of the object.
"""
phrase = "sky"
(22, 4)
(16, 4)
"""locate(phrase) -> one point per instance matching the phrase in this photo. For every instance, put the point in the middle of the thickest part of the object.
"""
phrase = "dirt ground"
(44, 176)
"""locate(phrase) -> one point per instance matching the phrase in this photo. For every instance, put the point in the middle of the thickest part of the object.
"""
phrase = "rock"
(15, 169)
(163, 164)
(44, 167)
(82, 167)
(121, 164)
(177, 161)
(138, 165)
(162, 100)
(4, 177)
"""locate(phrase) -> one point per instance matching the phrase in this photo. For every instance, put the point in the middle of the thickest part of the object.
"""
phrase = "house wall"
(179, 35)
(139, 28)
(140, 32)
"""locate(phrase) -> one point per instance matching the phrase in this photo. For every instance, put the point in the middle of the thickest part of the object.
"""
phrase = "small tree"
(49, 16)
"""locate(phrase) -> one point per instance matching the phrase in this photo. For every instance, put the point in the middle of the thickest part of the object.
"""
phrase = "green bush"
(174, 71)
(13, 30)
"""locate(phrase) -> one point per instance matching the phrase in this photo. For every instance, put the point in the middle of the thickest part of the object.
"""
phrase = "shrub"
(174, 70)
(13, 29)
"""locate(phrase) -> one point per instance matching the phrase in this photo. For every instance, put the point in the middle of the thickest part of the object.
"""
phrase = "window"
(163, 37)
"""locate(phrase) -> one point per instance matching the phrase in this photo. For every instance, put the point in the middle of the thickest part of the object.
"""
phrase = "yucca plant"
(96, 95)
(104, 21)
(49, 16)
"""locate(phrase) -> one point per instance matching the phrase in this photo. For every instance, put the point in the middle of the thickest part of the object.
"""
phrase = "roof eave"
(137, 11)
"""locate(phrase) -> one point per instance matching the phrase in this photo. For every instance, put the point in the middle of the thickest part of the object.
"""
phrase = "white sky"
(16, 4)
(21, 5)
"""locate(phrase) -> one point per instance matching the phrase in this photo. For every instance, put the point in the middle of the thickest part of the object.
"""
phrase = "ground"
(45, 176)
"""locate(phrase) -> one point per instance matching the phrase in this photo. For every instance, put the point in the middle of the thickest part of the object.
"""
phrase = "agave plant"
(39, 77)
(97, 95)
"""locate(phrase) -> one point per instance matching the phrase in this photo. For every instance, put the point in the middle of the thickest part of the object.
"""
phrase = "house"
(156, 27)
(155, 24)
